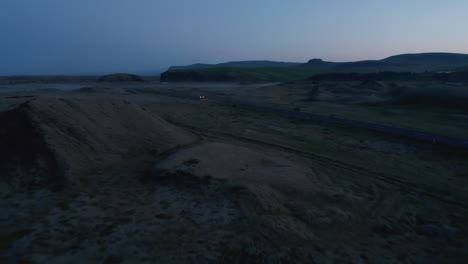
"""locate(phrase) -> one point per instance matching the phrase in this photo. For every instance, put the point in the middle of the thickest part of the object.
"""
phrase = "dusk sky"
(147, 36)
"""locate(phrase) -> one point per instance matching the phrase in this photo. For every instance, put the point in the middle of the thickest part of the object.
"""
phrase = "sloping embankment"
(54, 140)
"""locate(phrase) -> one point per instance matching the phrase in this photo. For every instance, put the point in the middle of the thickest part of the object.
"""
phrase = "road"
(396, 131)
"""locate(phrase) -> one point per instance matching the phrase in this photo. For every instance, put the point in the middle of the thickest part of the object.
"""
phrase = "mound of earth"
(120, 77)
(266, 182)
(229, 162)
(55, 140)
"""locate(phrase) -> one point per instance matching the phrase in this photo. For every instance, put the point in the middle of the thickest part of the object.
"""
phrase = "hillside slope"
(50, 141)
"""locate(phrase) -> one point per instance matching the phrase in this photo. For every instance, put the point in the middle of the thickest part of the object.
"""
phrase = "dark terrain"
(119, 171)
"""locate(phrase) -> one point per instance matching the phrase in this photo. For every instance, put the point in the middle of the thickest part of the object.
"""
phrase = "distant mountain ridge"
(270, 70)
(236, 64)
(435, 59)
(417, 62)
(430, 58)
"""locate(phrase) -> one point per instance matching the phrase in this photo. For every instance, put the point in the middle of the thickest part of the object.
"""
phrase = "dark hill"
(442, 59)
(403, 62)
(236, 64)
(250, 70)
(53, 141)
(319, 64)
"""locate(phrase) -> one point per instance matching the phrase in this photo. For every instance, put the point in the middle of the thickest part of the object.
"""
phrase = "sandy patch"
(225, 161)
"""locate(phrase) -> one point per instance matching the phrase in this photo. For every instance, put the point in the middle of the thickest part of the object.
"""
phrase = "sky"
(40, 37)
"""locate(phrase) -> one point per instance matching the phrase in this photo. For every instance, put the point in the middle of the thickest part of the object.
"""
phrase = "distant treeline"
(392, 76)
